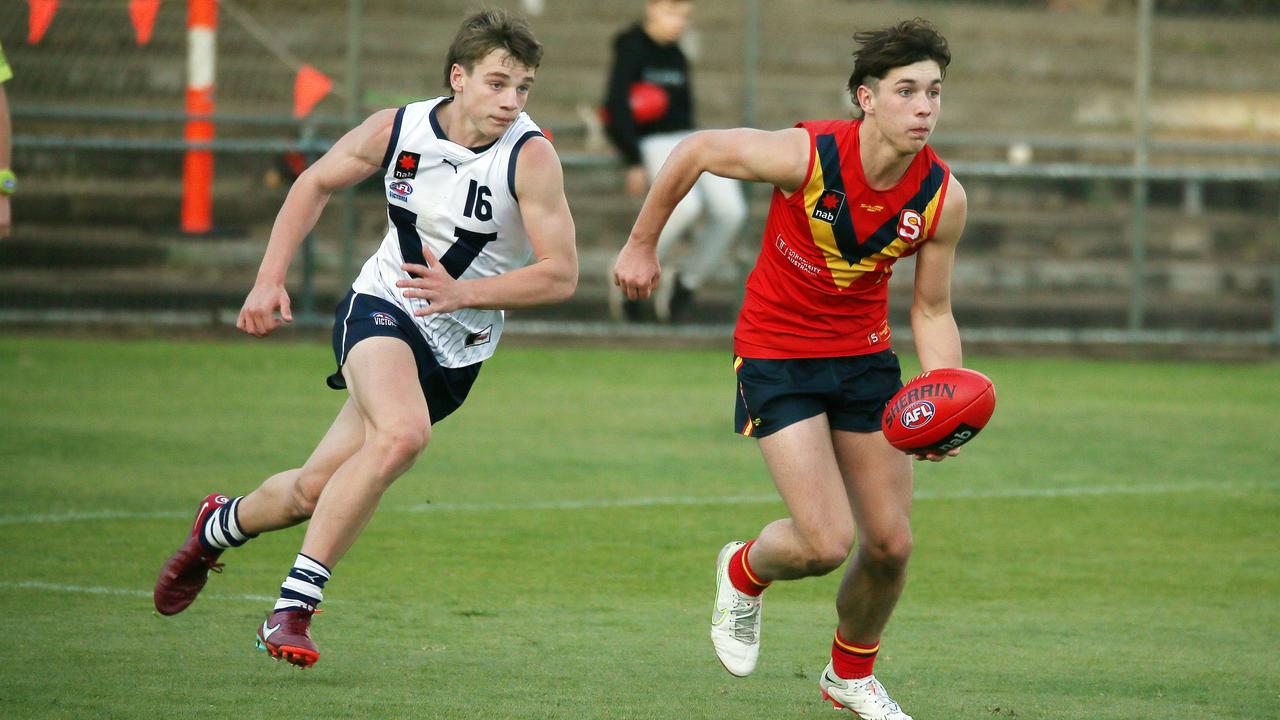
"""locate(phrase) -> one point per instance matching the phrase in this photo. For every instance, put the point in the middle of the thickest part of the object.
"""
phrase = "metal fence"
(1121, 157)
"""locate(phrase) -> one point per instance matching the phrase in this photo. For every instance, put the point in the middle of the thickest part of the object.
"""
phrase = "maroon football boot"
(186, 572)
(286, 635)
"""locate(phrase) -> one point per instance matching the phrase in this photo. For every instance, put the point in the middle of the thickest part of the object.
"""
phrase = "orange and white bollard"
(197, 165)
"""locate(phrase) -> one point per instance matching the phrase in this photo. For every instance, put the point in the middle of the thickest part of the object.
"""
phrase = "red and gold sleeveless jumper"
(820, 285)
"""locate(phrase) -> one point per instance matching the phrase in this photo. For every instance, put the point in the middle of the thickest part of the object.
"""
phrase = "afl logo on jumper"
(828, 207)
(406, 167)
(400, 190)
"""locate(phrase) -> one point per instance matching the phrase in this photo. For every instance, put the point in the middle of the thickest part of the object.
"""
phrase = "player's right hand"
(636, 271)
(937, 457)
(258, 316)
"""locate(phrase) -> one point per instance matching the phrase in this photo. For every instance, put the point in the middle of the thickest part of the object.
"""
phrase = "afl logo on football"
(400, 190)
(917, 414)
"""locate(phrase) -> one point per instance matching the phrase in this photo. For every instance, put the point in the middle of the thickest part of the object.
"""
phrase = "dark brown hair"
(906, 43)
(488, 30)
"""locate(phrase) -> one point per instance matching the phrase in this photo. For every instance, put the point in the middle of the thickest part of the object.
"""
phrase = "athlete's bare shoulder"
(954, 212)
(374, 134)
(538, 168)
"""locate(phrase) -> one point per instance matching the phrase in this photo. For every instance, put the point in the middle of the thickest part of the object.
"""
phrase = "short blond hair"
(488, 30)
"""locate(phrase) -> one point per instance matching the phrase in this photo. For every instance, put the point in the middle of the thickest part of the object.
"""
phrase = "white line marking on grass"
(996, 493)
(588, 504)
(604, 503)
(93, 515)
(1085, 490)
(91, 590)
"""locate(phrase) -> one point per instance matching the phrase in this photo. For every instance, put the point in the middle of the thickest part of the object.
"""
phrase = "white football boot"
(865, 697)
(735, 620)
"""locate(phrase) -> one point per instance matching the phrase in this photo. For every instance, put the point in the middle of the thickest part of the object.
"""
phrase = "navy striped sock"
(222, 528)
(304, 586)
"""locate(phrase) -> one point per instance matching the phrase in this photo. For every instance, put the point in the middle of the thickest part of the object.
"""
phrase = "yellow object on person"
(5, 71)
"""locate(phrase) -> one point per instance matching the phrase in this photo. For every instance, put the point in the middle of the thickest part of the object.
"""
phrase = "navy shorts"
(361, 316)
(852, 391)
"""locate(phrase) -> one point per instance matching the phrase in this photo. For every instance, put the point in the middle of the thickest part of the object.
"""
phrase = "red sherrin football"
(939, 410)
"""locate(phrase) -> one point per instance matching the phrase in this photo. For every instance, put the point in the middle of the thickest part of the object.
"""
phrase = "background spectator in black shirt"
(649, 53)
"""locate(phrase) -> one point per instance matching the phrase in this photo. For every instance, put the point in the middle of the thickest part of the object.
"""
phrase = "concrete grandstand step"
(37, 246)
(140, 203)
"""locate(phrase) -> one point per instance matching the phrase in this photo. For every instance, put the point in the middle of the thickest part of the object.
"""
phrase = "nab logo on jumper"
(406, 167)
(828, 207)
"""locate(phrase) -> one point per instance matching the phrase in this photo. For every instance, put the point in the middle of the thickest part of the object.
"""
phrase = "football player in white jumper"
(474, 191)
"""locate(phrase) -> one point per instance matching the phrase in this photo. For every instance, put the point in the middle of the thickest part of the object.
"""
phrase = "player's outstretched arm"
(545, 212)
(937, 338)
(780, 158)
(934, 326)
(355, 156)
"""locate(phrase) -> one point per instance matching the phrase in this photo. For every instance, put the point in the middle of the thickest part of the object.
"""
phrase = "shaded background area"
(1097, 206)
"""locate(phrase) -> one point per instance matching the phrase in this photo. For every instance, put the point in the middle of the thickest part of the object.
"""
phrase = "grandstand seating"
(1035, 252)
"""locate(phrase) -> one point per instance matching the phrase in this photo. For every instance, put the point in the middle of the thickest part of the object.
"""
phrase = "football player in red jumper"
(812, 343)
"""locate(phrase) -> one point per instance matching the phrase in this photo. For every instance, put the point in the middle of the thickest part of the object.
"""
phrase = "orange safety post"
(197, 165)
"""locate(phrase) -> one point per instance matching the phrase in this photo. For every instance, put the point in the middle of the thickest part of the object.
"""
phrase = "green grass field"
(1106, 549)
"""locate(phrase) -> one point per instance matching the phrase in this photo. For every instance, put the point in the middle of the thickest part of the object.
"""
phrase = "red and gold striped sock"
(741, 575)
(851, 660)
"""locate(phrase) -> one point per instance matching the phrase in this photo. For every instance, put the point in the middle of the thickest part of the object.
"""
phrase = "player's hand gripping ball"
(939, 411)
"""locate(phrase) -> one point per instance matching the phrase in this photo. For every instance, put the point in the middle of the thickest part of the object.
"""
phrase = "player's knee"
(401, 444)
(306, 493)
(828, 559)
(823, 555)
(304, 502)
(889, 552)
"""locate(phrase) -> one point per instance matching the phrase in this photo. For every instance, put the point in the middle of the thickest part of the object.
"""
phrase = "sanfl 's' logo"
(910, 226)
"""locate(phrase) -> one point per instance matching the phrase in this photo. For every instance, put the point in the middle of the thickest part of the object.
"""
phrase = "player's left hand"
(936, 457)
(431, 282)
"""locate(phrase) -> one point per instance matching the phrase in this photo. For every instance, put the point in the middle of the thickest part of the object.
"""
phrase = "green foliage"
(1105, 549)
